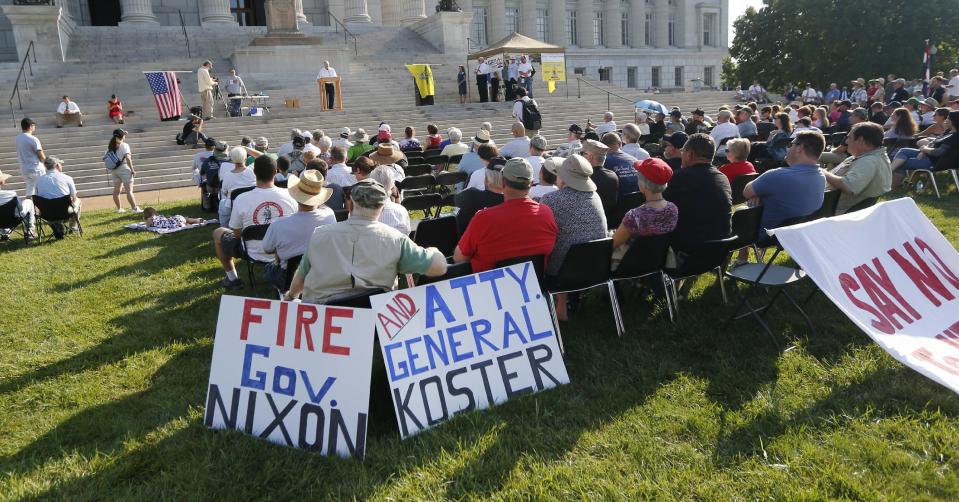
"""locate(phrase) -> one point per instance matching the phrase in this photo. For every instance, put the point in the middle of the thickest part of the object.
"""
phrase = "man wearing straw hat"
(290, 236)
(361, 253)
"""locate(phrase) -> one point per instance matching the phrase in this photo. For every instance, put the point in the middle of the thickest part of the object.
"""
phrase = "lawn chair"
(56, 213)
(945, 163)
(11, 218)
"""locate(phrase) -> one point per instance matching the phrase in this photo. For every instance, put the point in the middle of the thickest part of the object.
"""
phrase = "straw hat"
(307, 189)
(385, 154)
(4, 177)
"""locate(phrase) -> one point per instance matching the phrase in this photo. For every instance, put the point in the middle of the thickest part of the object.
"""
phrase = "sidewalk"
(144, 199)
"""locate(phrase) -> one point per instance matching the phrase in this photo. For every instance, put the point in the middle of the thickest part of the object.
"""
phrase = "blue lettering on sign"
(290, 374)
(463, 283)
(435, 303)
(521, 280)
(259, 382)
(481, 328)
(316, 397)
(413, 357)
(450, 334)
(436, 346)
(511, 328)
(401, 365)
(491, 276)
(533, 335)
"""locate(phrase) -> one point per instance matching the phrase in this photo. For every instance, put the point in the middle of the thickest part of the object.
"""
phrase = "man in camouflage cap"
(360, 254)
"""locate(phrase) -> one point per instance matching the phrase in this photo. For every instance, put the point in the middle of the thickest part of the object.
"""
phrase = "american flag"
(166, 93)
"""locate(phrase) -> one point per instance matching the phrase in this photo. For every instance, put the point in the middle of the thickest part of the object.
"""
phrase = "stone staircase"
(377, 88)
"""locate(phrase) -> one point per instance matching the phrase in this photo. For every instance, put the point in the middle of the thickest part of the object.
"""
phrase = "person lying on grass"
(156, 220)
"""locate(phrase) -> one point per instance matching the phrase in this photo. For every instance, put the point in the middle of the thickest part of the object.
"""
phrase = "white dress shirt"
(395, 216)
(340, 174)
(71, 107)
(605, 127)
(326, 72)
(203, 79)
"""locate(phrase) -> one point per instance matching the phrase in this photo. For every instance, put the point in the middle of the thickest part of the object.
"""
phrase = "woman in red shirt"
(737, 151)
(115, 109)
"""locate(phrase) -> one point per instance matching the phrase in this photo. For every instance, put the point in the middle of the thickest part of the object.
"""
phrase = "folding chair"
(418, 169)
(539, 266)
(708, 257)
(739, 184)
(771, 277)
(56, 213)
(944, 164)
(646, 257)
(252, 233)
(863, 204)
(426, 203)
(763, 129)
(451, 160)
(586, 266)
(239, 191)
(341, 214)
(439, 232)
(419, 184)
(452, 272)
(830, 201)
(449, 179)
(291, 265)
(10, 218)
(626, 203)
(360, 300)
(745, 225)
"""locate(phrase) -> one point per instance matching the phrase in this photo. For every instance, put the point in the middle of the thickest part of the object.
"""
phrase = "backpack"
(211, 170)
(532, 120)
(111, 161)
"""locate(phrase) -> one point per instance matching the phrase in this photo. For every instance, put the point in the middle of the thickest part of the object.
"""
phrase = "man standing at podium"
(328, 72)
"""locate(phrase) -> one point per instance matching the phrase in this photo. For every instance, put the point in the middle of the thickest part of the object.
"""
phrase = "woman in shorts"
(123, 174)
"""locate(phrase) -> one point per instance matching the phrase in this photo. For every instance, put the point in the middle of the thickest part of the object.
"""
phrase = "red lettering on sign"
(849, 285)
(305, 317)
(249, 317)
(949, 364)
(281, 325)
(876, 283)
(943, 270)
(950, 335)
(329, 329)
(921, 275)
(402, 310)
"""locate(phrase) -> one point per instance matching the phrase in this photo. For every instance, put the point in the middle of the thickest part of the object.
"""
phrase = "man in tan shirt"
(206, 83)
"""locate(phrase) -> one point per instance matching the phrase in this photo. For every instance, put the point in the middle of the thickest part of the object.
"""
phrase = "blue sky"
(736, 8)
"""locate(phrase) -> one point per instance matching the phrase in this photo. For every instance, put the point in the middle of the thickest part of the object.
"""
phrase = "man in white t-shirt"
(68, 111)
(261, 206)
(289, 236)
(339, 173)
(344, 139)
(810, 96)
(29, 155)
(608, 125)
(519, 145)
(525, 70)
(328, 72)
(724, 129)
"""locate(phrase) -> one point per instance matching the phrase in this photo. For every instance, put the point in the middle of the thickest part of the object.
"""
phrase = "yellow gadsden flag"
(553, 68)
(424, 79)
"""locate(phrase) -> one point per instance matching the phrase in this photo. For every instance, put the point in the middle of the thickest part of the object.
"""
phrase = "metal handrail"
(26, 84)
(346, 33)
(609, 93)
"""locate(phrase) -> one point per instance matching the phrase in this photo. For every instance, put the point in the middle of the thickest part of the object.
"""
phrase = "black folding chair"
(451, 160)
(708, 257)
(836, 139)
(646, 257)
(763, 129)
(439, 232)
(626, 203)
(745, 225)
(56, 213)
(586, 266)
(10, 218)
(420, 183)
(238, 192)
(830, 201)
(291, 265)
(452, 272)
(341, 214)
(947, 162)
(539, 266)
(359, 300)
(426, 203)
(863, 204)
(739, 183)
(252, 233)
(449, 179)
(418, 169)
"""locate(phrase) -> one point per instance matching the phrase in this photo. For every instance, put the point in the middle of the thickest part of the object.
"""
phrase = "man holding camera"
(206, 83)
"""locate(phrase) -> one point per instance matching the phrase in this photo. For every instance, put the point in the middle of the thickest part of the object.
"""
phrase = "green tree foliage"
(730, 73)
(824, 41)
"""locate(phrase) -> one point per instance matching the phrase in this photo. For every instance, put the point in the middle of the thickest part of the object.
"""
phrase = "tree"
(730, 73)
(823, 41)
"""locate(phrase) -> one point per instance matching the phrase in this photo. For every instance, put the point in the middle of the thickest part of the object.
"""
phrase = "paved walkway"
(144, 199)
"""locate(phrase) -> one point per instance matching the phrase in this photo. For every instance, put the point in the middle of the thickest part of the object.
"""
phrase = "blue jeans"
(234, 106)
(528, 84)
(912, 161)
(276, 275)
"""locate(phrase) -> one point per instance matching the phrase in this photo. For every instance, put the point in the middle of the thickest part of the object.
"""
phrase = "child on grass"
(156, 220)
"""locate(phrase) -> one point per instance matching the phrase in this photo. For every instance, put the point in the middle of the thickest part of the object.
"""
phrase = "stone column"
(216, 12)
(527, 19)
(661, 24)
(137, 13)
(356, 12)
(497, 20)
(682, 24)
(38, 24)
(722, 29)
(614, 24)
(637, 23)
(412, 11)
(375, 9)
(584, 23)
(557, 22)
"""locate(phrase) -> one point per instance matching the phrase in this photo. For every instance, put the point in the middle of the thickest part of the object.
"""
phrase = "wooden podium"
(323, 97)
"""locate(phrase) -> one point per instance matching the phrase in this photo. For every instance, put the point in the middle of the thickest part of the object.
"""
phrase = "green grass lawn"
(105, 347)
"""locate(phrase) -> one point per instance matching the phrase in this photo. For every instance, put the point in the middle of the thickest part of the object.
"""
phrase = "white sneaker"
(121, 210)
(137, 210)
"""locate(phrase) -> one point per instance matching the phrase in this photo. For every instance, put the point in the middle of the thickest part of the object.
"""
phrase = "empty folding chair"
(418, 169)
(586, 266)
(646, 257)
(539, 266)
(708, 257)
(426, 203)
(451, 160)
(341, 214)
(625, 203)
(739, 183)
(56, 213)
(439, 233)
(419, 184)
(449, 179)
(252, 233)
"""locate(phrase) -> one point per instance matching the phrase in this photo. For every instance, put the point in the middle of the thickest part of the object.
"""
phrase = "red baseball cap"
(655, 170)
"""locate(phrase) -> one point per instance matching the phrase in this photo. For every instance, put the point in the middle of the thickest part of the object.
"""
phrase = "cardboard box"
(291, 103)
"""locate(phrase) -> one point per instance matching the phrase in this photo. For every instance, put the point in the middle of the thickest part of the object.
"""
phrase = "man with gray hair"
(723, 131)
(631, 135)
(519, 145)
(393, 215)
(607, 183)
(328, 72)
(608, 125)
(360, 254)
(456, 145)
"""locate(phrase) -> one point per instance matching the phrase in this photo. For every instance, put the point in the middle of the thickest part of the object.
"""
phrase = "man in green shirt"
(360, 254)
(866, 173)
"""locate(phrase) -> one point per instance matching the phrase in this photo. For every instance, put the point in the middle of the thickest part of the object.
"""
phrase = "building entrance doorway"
(249, 12)
(105, 13)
